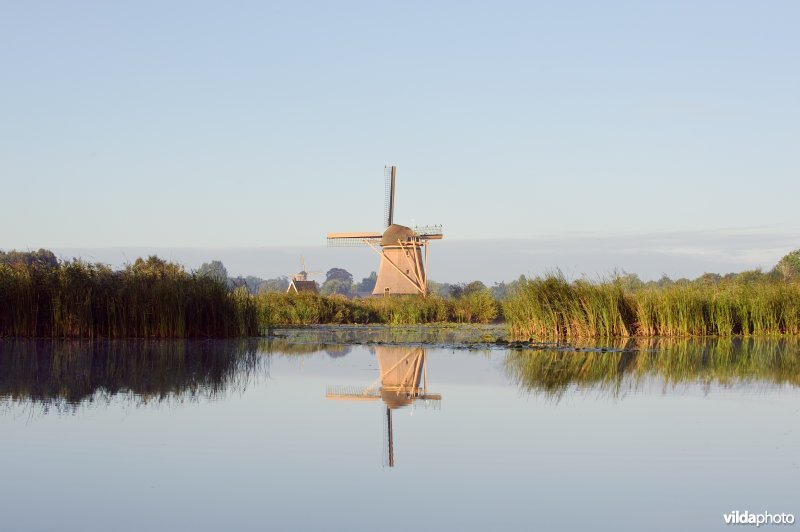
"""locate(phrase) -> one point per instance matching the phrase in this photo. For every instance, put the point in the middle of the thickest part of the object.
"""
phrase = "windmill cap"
(397, 232)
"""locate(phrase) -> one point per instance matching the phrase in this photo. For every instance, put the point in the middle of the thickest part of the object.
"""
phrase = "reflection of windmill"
(402, 371)
(404, 266)
(300, 282)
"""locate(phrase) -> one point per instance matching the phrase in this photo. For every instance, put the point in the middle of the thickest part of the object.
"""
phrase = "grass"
(149, 299)
(279, 309)
(552, 307)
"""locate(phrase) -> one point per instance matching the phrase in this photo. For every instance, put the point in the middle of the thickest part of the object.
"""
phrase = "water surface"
(297, 433)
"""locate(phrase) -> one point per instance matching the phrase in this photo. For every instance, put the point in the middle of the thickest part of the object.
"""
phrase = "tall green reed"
(552, 307)
(149, 299)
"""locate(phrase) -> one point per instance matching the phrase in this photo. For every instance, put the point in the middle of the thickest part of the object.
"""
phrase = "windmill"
(402, 370)
(404, 251)
(300, 282)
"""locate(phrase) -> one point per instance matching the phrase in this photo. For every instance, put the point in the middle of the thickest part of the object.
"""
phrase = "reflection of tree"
(289, 348)
(336, 351)
(61, 373)
(723, 361)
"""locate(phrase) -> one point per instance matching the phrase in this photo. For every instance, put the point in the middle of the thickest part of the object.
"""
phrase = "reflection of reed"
(72, 372)
(723, 361)
(441, 335)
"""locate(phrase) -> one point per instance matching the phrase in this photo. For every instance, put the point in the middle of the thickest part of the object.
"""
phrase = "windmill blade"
(389, 175)
(350, 242)
(429, 232)
(336, 240)
(352, 393)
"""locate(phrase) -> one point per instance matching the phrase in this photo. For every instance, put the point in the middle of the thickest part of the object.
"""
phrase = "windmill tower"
(403, 380)
(403, 251)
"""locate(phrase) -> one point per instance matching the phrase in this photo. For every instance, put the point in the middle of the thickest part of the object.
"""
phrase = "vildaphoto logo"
(765, 518)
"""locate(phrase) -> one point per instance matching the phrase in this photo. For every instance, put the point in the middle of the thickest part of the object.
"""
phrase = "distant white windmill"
(299, 281)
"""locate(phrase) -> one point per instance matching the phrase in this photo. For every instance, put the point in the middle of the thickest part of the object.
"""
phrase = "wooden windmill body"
(403, 251)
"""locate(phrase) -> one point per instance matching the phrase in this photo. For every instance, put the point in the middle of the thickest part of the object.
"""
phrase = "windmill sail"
(389, 174)
(354, 239)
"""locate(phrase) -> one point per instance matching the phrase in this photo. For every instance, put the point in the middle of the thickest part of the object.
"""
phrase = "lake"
(392, 429)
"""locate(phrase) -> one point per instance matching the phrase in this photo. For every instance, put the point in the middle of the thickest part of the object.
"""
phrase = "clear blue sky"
(218, 124)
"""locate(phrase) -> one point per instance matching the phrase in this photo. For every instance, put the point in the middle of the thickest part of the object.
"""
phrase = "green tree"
(750, 276)
(252, 282)
(337, 281)
(502, 290)
(474, 287)
(439, 289)
(215, 270)
(336, 286)
(367, 284)
(339, 274)
(709, 279)
(664, 281)
(789, 266)
(156, 267)
(630, 282)
(44, 258)
(278, 284)
(465, 289)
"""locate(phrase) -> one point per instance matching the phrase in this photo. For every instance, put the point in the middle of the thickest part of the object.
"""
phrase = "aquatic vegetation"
(673, 362)
(149, 299)
(552, 307)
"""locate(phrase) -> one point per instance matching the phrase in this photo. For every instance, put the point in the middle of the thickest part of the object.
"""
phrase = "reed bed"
(277, 309)
(149, 299)
(552, 307)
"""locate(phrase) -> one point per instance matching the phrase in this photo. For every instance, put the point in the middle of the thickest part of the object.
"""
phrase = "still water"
(301, 434)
